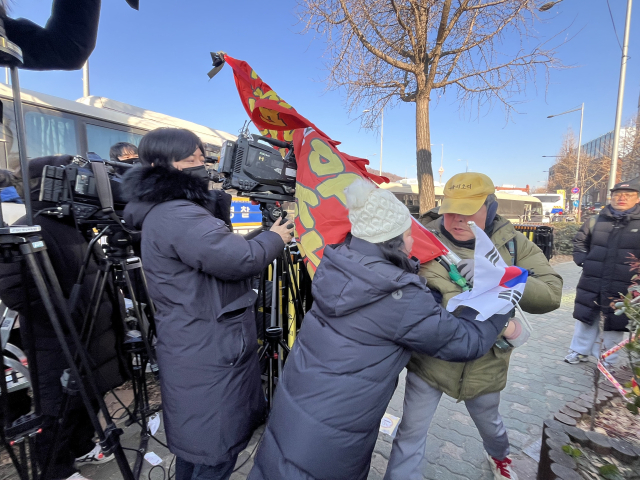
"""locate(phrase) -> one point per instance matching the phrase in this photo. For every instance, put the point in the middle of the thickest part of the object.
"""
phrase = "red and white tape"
(606, 372)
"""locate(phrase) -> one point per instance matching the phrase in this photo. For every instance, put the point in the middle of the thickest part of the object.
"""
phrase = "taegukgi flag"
(497, 287)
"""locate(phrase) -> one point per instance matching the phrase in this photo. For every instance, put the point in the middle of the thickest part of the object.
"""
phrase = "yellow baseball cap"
(465, 193)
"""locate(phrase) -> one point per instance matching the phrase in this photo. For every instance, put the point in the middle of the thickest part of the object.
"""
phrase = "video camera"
(258, 171)
(85, 189)
(253, 168)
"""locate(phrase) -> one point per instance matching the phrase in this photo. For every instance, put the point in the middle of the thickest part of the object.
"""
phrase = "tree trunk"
(423, 154)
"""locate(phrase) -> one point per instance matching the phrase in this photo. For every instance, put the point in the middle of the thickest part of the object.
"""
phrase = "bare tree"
(386, 51)
(540, 189)
(593, 173)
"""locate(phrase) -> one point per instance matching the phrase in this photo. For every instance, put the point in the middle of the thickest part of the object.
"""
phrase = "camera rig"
(83, 189)
(255, 169)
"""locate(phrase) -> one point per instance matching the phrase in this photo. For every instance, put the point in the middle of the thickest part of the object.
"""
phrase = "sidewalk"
(540, 382)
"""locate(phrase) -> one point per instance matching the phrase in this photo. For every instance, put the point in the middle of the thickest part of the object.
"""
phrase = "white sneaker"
(575, 357)
(94, 457)
(501, 468)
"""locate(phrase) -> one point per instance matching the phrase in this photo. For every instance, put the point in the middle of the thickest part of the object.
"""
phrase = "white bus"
(515, 208)
(92, 124)
(552, 203)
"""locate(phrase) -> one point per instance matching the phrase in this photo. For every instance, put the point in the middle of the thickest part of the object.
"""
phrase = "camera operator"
(123, 152)
(199, 276)
(66, 248)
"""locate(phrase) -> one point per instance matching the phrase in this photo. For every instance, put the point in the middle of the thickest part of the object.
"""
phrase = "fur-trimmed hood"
(147, 187)
(158, 184)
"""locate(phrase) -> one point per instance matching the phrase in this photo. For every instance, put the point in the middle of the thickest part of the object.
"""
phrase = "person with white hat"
(370, 310)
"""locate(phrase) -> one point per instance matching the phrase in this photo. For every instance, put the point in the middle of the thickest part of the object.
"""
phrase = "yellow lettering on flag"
(322, 160)
(335, 186)
(311, 242)
(306, 198)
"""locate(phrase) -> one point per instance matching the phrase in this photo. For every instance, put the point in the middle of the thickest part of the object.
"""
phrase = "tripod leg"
(109, 438)
(138, 312)
(96, 308)
(94, 304)
(12, 454)
(284, 346)
(270, 381)
(141, 406)
(22, 448)
(32, 455)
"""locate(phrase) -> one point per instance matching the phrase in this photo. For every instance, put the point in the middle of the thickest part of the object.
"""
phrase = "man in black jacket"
(603, 247)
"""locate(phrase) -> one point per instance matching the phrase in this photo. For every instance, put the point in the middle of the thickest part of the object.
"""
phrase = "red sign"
(323, 171)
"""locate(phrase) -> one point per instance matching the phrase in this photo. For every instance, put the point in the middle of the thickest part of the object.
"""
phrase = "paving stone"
(539, 385)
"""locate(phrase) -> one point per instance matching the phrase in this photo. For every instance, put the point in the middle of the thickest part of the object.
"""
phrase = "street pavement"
(540, 383)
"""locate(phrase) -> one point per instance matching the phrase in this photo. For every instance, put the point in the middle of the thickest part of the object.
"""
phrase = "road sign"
(575, 196)
(575, 190)
(575, 203)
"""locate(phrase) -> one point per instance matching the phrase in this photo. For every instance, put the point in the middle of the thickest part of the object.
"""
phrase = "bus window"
(100, 139)
(49, 135)
(4, 155)
(6, 134)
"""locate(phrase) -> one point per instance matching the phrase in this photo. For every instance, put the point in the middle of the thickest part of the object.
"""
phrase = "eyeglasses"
(624, 195)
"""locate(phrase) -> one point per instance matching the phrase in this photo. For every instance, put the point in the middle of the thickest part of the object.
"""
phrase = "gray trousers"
(420, 404)
(587, 340)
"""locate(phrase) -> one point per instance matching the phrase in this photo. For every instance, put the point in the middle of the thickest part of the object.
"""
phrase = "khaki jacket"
(542, 294)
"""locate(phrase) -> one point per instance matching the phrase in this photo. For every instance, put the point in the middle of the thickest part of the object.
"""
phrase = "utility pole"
(575, 184)
(623, 73)
(85, 79)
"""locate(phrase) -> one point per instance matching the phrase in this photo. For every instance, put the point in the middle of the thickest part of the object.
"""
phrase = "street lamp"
(581, 108)
(467, 163)
(381, 132)
(616, 128)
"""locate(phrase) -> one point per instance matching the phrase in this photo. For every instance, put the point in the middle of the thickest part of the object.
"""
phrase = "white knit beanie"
(376, 214)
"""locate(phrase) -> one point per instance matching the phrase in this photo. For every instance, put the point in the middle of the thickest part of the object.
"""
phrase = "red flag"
(323, 171)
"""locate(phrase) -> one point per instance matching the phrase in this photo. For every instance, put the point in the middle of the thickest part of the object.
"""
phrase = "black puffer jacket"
(199, 279)
(66, 248)
(367, 316)
(603, 248)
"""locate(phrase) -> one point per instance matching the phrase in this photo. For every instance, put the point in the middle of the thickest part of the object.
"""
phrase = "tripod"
(30, 248)
(125, 270)
(286, 301)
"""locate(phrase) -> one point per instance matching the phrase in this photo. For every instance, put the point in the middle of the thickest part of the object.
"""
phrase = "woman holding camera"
(199, 279)
(370, 310)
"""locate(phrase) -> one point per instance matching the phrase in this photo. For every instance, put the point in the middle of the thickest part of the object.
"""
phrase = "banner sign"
(245, 214)
(323, 171)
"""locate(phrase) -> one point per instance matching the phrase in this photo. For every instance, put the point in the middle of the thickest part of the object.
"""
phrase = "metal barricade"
(540, 234)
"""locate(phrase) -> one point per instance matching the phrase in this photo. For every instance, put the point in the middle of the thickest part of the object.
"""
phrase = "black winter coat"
(603, 249)
(66, 248)
(199, 279)
(367, 316)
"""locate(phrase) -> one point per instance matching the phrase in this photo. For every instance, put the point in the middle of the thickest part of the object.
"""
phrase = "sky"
(157, 58)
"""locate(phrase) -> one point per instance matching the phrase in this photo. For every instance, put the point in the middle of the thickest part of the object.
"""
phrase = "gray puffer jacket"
(366, 317)
(199, 279)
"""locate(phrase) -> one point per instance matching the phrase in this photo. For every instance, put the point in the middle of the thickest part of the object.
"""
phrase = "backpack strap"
(513, 251)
